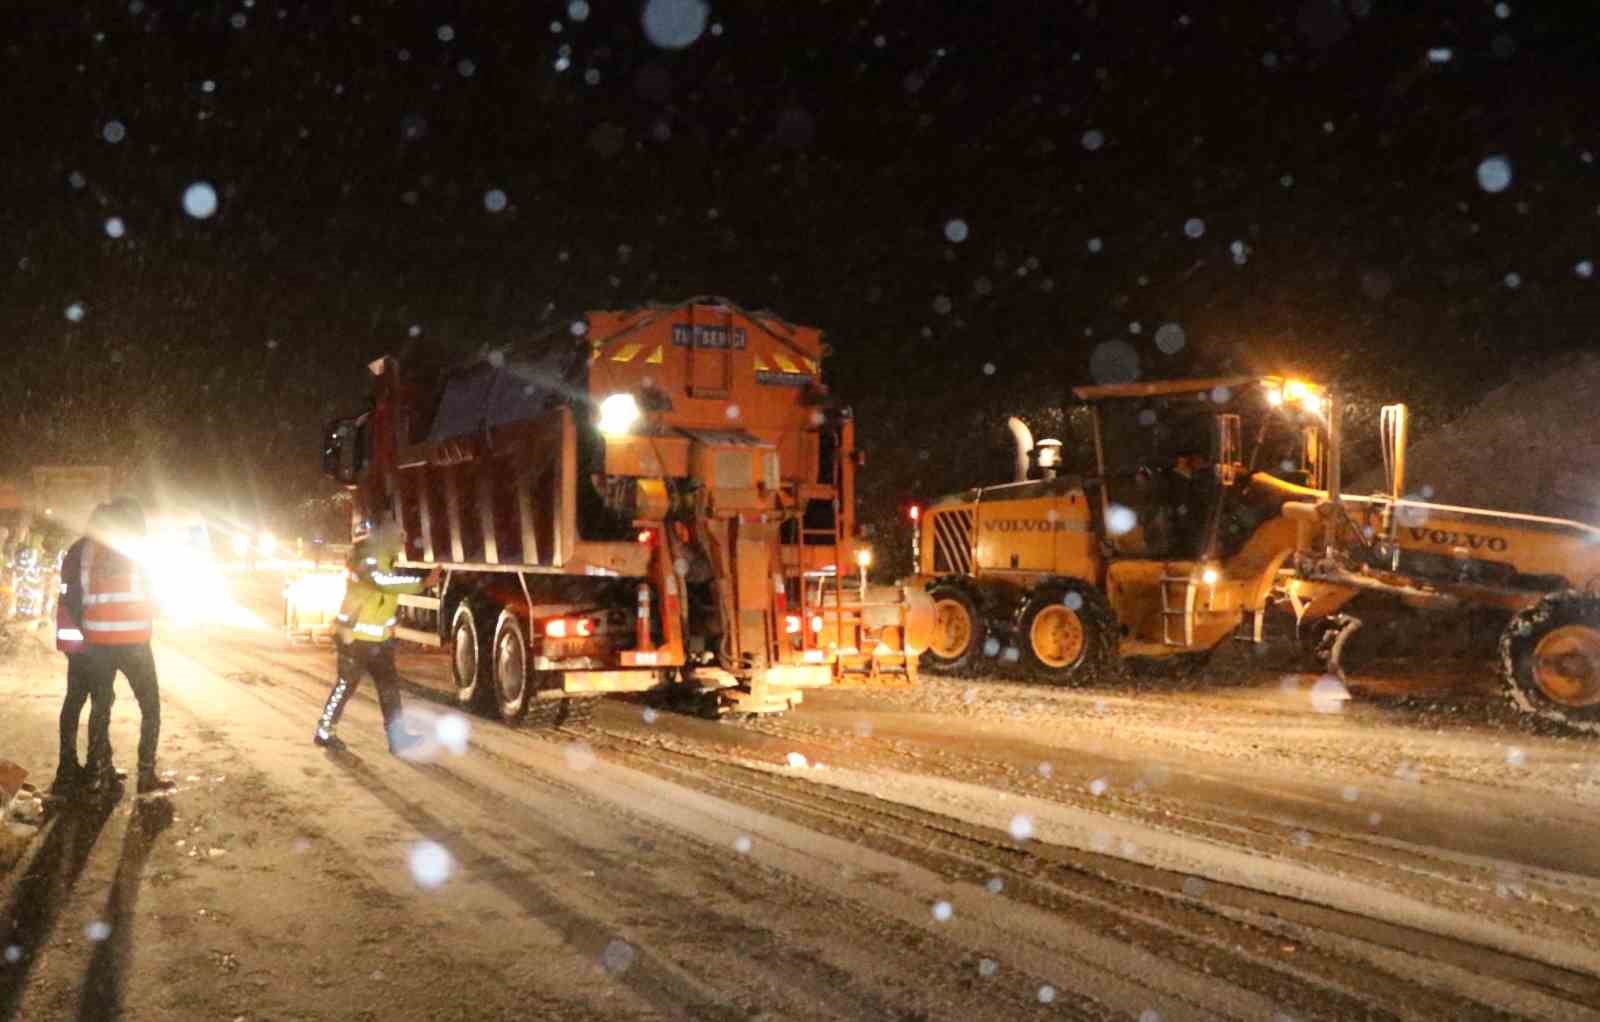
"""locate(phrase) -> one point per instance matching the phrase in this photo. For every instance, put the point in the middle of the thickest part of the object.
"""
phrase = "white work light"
(618, 413)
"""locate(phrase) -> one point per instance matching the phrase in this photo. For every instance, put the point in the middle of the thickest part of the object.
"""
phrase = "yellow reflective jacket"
(372, 593)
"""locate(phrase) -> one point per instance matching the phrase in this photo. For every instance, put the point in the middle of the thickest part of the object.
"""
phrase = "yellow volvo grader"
(1183, 509)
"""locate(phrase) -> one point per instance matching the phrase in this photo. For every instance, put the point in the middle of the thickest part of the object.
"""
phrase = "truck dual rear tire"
(1550, 655)
(469, 655)
(510, 668)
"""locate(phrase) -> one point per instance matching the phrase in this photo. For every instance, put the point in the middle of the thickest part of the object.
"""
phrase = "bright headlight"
(618, 413)
(241, 544)
(267, 544)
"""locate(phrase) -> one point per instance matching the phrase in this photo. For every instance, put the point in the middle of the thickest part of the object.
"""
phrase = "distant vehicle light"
(267, 544)
(1312, 403)
(914, 512)
(1210, 576)
(618, 413)
(816, 623)
(864, 557)
(241, 544)
(1275, 397)
(1294, 390)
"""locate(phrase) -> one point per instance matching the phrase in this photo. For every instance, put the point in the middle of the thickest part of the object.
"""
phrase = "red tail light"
(564, 627)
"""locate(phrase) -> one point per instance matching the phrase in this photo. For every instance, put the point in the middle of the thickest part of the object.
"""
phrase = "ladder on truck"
(1179, 594)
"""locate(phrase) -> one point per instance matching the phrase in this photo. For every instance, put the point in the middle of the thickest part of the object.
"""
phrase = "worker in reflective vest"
(365, 635)
(107, 598)
(83, 683)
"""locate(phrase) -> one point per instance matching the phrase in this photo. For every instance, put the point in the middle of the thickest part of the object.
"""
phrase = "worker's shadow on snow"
(42, 892)
(101, 997)
(448, 852)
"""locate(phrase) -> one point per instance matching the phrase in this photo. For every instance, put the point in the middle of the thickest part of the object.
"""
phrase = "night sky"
(982, 204)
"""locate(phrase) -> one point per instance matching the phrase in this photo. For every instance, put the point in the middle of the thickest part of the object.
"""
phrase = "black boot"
(150, 784)
(70, 781)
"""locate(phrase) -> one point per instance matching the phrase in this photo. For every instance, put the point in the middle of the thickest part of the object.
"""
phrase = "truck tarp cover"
(498, 391)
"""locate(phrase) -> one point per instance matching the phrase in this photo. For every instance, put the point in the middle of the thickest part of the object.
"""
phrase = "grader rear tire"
(1550, 655)
(1067, 632)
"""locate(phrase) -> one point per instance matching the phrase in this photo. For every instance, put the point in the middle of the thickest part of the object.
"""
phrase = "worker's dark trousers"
(98, 669)
(355, 659)
(85, 684)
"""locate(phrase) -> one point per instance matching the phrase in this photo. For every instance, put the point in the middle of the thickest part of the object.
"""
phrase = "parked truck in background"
(657, 499)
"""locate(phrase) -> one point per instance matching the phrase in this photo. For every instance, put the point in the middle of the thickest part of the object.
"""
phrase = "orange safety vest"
(116, 609)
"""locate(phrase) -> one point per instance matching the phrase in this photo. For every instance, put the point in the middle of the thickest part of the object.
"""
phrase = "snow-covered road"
(966, 850)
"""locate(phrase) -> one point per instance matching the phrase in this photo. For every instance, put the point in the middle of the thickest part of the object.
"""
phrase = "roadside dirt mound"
(1530, 445)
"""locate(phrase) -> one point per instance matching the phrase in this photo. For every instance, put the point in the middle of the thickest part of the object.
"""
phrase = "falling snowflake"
(956, 231)
(1584, 269)
(741, 844)
(1073, 601)
(1114, 362)
(1194, 227)
(75, 312)
(445, 33)
(114, 132)
(617, 957)
(1513, 280)
(1098, 786)
(1047, 994)
(941, 304)
(431, 864)
(1093, 140)
(987, 967)
(1328, 694)
(494, 200)
(1440, 55)
(1515, 756)
(1021, 827)
(1120, 520)
(454, 732)
(675, 24)
(995, 885)
(1170, 338)
(200, 200)
(942, 911)
(1095, 245)
(1494, 174)
(97, 931)
(579, 755)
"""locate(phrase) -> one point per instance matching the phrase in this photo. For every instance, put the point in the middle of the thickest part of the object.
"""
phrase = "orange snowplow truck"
(653, 499)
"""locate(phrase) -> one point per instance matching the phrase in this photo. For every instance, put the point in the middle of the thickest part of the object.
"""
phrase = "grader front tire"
(1550, 656)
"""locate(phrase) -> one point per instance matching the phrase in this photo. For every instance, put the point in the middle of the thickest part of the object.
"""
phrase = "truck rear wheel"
(1066, 632)
(1550, 654)
(469, 657)
(958, 629)
(510, 668)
